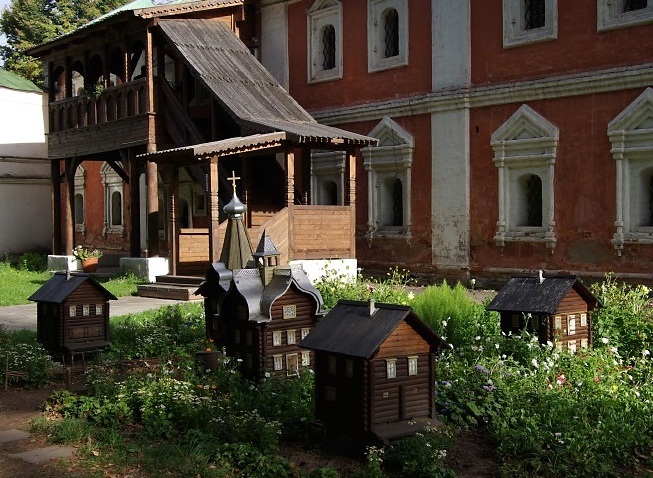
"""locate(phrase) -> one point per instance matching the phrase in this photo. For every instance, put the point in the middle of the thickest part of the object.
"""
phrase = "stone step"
(36, 455)
(168, 291)
(179, 280)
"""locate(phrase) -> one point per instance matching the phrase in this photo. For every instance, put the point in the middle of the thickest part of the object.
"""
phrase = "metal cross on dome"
(233, 179)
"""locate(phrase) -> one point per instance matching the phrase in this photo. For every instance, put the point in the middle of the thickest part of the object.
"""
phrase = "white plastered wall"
(274, 40)
(24, 173)
(450, 136)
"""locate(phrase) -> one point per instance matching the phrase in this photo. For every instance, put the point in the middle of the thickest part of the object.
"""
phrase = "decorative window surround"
(525, 145)
(80, 199)
(611, 15)
(514, 24)
(376, 59)
(631, 135)
(391, 159)
(113, 215)
(328, 171)
(391, 368)
(322, 14)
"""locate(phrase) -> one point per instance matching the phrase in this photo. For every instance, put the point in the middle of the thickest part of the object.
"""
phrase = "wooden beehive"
(72, 314)
(374, 370)
(262, 325)
(556, 308)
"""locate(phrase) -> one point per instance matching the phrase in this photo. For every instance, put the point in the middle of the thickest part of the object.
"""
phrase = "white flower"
(477, 338)
(605, 340)
(411, 296)
(646, 352)
(534, 362)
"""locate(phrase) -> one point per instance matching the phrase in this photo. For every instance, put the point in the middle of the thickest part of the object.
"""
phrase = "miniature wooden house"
(374, 370)
(72, 314)
(557, 308)
(213, 289)
(262, 325)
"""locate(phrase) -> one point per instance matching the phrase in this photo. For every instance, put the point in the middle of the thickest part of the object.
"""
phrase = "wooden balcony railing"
(116, 102)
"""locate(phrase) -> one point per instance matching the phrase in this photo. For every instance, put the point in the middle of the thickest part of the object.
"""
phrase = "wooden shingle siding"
(403, 339)
(99, 138)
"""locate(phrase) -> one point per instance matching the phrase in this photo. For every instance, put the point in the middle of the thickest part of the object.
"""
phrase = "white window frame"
(277, 362)
(321, 14)
(306, 358)
(276, 338)
(99, 308)
(291, 337)
(412, 365)
(525, 144)
(571, 325)
(327, 166)
(112, 183)
(611, 15)
(376, 61)
(304, 332)
(631, 135)
(72, 311)
(86, 309)
(514, 24)
(391, 368)
(80, 189)
(583, 320)
(392, 158)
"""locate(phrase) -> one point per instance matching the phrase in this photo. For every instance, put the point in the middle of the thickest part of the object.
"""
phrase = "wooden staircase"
(172, 287)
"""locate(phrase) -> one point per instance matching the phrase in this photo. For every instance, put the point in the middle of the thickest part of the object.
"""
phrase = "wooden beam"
(134, 205)
(55, 174)
(351, 169)
(214, 211)
(290, 195)
(67, 213)
(152, 179)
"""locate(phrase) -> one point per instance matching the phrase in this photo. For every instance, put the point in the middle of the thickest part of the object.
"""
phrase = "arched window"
(80, 199)
(325, 40)
(328, 47)
(388, 169)
(632, 148)
(113, 200)
(529, 201)
(525, 152)
(387, 34)
(391, 32)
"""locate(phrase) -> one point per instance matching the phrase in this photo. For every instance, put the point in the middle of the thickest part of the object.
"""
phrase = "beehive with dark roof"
(557, 308)
(72, 313)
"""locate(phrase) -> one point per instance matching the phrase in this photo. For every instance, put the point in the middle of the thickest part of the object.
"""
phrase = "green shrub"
(421, 455)
(31, 261)
(452, 313)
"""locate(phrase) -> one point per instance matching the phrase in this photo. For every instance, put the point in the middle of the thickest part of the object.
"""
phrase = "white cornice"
(602, 81)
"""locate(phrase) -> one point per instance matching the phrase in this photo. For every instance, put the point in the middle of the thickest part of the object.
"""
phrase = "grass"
(16, 285)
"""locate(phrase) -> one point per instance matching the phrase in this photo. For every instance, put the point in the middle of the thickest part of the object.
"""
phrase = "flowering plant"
(82, 253)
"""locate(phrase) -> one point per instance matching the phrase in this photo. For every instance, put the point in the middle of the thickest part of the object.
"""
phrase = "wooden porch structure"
(300, 231)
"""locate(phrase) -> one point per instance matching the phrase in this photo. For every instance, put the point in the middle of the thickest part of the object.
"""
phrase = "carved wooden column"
(68, 191)
(214, 211)
(55, 174)
(134, 205)
(290, 195)
(351, 173)
(152, 206)
(173, 235)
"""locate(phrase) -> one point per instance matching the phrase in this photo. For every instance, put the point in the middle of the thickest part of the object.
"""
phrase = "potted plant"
(89, 258)
(209, 357)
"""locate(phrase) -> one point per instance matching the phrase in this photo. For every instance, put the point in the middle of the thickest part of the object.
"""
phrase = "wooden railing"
(116, 102)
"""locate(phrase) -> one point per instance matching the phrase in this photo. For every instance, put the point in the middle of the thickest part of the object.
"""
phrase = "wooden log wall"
(322, 232)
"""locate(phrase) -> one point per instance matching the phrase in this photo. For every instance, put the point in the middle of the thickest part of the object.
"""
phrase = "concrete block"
(63, 263)
(145, 267)
(12, 435)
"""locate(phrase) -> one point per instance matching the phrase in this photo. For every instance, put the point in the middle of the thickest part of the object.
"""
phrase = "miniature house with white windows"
(255, 309)
(556, 308)
(374, 370)
(72, 314)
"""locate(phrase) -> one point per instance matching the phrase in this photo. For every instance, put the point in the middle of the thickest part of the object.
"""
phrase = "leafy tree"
(27, 23)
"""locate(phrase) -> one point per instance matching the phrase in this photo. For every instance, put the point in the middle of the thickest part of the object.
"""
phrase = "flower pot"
(90, 264)
(208, 359)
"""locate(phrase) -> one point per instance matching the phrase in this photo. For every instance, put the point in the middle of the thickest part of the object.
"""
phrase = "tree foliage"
(27, 23)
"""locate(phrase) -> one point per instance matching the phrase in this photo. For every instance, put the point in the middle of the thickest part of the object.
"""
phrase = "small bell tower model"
(267, 258)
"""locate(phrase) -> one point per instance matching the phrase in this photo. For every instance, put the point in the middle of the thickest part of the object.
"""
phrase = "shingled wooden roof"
(529, 294)
(247, 91)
